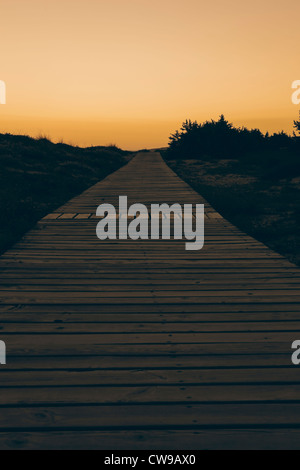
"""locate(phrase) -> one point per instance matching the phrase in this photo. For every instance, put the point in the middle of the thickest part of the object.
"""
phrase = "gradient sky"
(130, 71)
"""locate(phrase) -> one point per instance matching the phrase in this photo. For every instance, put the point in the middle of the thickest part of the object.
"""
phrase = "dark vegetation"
(37, 176)
(251, 178)
(220, 139)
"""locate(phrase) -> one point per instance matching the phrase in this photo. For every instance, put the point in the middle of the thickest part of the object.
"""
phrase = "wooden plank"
(146, 362)
(87, 345)
(150, 327)
(218, 439)
(163, 377)
(150, 416)
(92, 395)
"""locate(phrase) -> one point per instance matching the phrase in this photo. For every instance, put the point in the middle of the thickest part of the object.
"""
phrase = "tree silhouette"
(297, 124)
(216, 139)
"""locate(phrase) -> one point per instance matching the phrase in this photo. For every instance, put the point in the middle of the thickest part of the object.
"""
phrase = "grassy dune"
(259, 195)
(37, 176)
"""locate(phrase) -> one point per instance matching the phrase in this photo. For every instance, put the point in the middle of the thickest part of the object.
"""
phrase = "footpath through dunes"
(141, 344)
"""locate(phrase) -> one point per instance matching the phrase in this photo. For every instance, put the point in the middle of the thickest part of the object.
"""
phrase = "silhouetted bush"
(220, 139)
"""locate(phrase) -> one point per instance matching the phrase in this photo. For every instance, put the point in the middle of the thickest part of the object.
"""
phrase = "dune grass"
(37, 176)
(260, 194)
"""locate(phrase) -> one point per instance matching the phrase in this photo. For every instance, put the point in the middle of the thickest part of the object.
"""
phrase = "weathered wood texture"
(143, 345)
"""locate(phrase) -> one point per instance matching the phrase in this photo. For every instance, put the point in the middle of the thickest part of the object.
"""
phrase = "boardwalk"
(141, 344)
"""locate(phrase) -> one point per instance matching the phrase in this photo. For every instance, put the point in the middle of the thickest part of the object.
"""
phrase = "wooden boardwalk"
(141, 344)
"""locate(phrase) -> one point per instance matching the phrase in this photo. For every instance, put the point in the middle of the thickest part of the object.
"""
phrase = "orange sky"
(130, 71)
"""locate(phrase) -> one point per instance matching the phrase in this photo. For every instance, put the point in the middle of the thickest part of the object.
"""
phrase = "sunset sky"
(130, 71)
